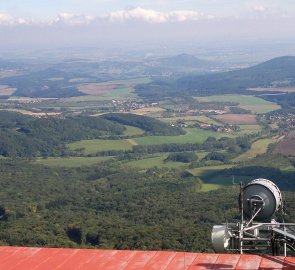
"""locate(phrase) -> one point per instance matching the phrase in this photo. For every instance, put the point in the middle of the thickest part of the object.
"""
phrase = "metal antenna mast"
(257, 232)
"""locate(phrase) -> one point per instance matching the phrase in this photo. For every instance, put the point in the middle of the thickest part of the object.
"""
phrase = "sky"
(144, 22)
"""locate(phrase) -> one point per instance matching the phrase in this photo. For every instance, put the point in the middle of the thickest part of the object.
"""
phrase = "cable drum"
(262, 196)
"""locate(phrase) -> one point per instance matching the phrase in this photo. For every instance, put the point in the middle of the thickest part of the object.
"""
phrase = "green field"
(209, 187)
(252, 103)
(203, 170)
(158, 161)
(193, 135)
(122, 88)
(257, 148)
(133, 131)
(154, 161)
(71, 161)
(119, 93)
(249, 129)
(201, 154)
(191, 119)
(93, 146)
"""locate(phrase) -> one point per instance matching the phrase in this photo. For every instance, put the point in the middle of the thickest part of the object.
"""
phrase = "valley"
(130, 159)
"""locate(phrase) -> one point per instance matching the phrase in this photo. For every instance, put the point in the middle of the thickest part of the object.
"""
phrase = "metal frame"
(248, 236)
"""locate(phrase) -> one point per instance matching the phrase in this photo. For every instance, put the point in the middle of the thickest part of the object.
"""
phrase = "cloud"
(153, 16)
(6, 19)
(267, 12)
(132, 14)
(73, 19)
(259, 8)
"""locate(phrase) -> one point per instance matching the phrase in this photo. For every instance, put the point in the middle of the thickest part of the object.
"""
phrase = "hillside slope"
(278, 72)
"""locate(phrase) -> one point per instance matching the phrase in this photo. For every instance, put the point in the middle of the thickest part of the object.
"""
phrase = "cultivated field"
(112, 89)
(249, 129)
(237, 119)
(9, 73)
(6, 90)
(158, 161)
(148, 110)
(257, 148)
(133, 131)
(34, 114)
(254, 104)
(201, 170)
(191, 118)
(193, 135)
(154, 161)
(96, 89)
(93, 146)
(286, 146)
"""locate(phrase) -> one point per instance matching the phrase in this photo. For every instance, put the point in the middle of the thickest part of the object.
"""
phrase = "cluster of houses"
(206, 126)
(128, 104)
(284, 119)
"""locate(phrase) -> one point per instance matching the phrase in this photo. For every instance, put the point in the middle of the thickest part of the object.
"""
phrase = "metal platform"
(25, 258)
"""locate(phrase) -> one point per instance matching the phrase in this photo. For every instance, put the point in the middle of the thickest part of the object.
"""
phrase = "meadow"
(257, 148)
(191, 118)
(116, 89)
(133, 131)
(93, 146)
(208, 187)
(154, 161)
(193, 135)
(203, 170)
(249, 129)
(254, 104)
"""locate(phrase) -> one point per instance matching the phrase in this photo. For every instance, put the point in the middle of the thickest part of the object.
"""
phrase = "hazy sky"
(40, 9)
(114, 22)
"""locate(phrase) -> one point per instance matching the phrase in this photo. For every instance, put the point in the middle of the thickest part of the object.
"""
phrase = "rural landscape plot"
(123, 167)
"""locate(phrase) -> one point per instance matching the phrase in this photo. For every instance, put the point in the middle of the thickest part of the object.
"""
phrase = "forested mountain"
(150, 125)
(278, 72)
(24, 136)
(49, 83)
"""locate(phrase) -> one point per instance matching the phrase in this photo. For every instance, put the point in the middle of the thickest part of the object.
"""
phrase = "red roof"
(87, 259)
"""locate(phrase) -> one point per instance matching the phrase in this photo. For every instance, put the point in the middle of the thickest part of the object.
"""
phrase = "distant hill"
(150, 125)
(184, 60)
(278, 72)
(48, 83)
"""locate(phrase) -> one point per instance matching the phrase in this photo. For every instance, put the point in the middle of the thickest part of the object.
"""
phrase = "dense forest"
(111, 206)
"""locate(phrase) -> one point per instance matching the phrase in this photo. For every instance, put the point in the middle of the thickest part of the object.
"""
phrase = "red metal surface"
(249, 262)
(14, 258)
(269, 262)
(204, 262)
